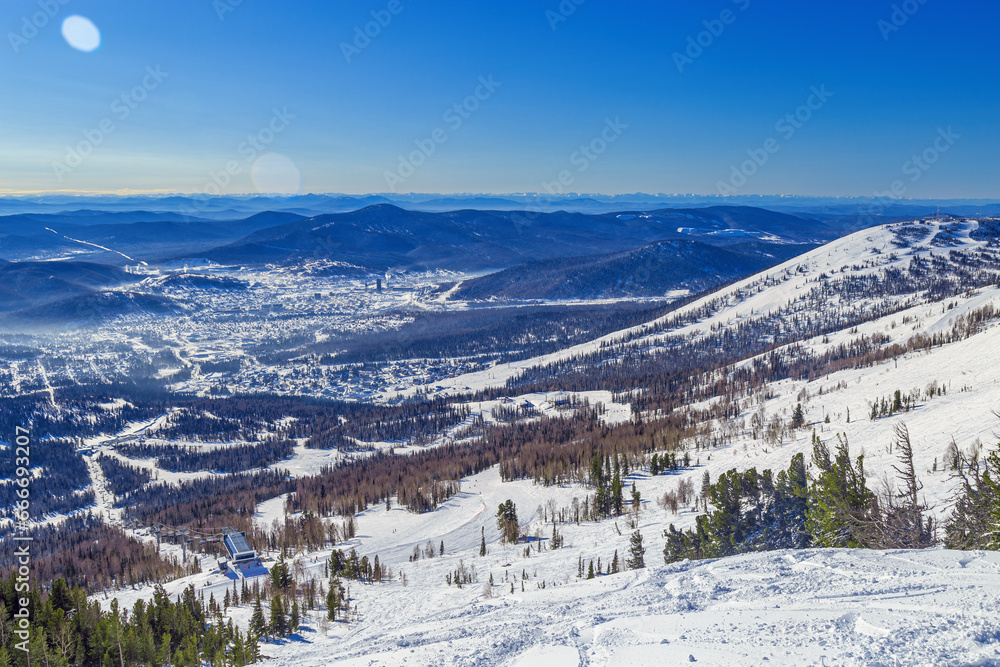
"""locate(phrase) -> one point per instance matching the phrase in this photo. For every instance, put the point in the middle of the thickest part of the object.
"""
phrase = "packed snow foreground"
(811, 607)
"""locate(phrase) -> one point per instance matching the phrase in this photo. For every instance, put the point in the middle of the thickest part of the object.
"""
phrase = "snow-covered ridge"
(863, 254)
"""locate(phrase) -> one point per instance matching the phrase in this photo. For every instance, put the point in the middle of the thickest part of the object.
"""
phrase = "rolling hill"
(384, 236)
(653, 270)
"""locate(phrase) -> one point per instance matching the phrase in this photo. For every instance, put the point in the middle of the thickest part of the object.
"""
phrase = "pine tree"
(841, 507)
(163, 652)
(557, 539)
(798, 417)
(336, 597)
(507, 521)
(972, 523)
(636, 559)
(903, 521)
(617, 495)
(280, 577)
(482, 541)
(636, 498)
(654, 465)
(279, 624)
(590, 570)
(257, 625)
(293, 625)
(614, 563)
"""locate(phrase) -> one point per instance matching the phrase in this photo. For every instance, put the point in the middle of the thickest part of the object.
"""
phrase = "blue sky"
(603, 76)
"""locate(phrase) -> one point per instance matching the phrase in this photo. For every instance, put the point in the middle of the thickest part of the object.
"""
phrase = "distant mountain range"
(653, 270)
(386, 237)
(233, 207)
(528, 254)
(123, 237)
(33, 284)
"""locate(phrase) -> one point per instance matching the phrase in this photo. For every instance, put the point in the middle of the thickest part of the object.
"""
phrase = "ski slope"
(784, 608)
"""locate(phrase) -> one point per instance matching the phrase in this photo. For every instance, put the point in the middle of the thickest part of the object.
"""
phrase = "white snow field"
(814, 607)
(808, 607)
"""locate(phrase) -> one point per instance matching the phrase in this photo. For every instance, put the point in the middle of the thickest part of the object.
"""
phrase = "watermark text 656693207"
(22, 553)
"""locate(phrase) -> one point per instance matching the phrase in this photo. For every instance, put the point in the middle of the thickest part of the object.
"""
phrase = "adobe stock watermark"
(562, 12)
(900, 16)
(454, 117)
(363, 35)
(586, 155)
(581, 158)
(30, 25)
(918, 165)
(223, 7)
(22, 537)
(121, 108)
(697, 44)
(786, 126)
(249, 150)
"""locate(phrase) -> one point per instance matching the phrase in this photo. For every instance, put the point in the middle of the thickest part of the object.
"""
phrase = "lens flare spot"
(81, 33)
(276, 174)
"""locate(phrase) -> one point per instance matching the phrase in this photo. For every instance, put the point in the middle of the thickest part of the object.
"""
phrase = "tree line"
(760, 511)
(69, 628)
(227, 459)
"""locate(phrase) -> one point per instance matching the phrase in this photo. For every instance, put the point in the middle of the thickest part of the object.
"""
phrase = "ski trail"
(48, 385)
(94, 245)
(99, 374)
(104, 500)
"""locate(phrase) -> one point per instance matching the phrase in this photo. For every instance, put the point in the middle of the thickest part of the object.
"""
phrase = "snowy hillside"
(785, 607)
(810, 607)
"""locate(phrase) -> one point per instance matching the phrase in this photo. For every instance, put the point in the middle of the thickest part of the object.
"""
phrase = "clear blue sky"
(686, 130)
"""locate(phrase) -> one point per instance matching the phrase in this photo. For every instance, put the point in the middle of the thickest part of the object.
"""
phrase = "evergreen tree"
(293, 625)
(614, 563)
(257, 624)
(599, 478)
(482, 541)
(163, 653)
(973, 523)
(507, 521)
(636, 498)
(557, 539)
(636, 559)
(841, 507)
(617, 495)
(279, 624)
(902, 522)
(788, 526)
(280, 576)
(798, 417)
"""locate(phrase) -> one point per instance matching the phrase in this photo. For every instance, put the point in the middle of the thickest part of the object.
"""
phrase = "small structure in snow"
(243, 560)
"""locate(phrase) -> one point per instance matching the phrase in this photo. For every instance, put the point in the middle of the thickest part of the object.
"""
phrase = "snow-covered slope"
(812, 607)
